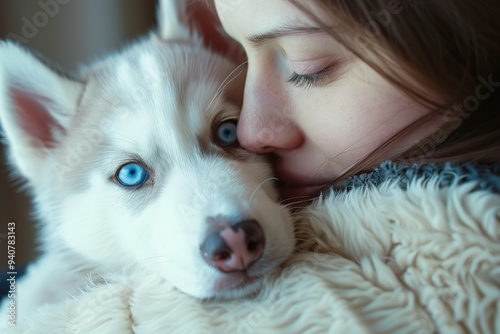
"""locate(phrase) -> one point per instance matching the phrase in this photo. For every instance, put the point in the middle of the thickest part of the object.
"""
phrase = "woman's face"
(308, 101)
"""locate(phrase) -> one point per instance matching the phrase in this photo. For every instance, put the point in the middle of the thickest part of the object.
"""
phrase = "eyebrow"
(259, 39)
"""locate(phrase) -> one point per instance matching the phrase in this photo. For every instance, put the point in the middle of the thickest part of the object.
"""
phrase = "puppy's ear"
(36, 107)
(173, 20)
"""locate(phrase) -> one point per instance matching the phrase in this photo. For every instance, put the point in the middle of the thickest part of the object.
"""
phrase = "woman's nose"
(266, 121)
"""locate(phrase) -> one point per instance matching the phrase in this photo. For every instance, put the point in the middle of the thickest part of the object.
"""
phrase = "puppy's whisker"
(155, 260)
(293, 198)
(224, 83)
(161, 262)
(260, 185)
(304, 200)
(287, 205)
(219, 93)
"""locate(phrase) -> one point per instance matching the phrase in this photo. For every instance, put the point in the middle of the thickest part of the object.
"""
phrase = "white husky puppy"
(135, 163)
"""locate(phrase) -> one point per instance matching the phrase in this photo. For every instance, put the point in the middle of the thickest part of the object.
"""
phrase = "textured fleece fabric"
(487, 176)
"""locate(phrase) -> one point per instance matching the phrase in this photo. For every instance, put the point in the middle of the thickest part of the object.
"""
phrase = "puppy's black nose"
(235, 247)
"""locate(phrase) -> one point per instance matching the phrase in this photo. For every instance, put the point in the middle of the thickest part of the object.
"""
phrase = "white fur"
(386, 260)
(173, 19)
(59, 96)
(157, 101)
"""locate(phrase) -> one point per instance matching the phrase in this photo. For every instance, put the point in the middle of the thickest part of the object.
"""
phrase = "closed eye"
(311, 80)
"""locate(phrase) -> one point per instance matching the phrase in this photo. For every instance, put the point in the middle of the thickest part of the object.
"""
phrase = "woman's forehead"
(271, 15)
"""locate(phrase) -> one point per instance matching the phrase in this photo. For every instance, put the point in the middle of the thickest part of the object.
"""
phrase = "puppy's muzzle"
(234, 247)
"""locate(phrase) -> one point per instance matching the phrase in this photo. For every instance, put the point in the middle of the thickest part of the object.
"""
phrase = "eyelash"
(310, 80)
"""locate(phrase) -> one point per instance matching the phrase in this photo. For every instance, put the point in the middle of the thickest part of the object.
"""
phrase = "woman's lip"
(294, 185)
(288, 178)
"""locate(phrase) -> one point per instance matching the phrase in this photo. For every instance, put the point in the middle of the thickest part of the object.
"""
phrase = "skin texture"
(314, 131)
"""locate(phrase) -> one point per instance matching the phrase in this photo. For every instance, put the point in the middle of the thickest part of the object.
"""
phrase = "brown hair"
(448, 49)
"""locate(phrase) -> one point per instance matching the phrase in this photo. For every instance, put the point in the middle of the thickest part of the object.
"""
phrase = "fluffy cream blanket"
(382, 260)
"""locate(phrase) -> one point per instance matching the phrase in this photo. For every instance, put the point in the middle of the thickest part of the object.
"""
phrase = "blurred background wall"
(70, 33)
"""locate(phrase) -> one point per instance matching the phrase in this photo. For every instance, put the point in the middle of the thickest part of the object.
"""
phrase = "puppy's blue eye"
(226, 133)
(132, 174)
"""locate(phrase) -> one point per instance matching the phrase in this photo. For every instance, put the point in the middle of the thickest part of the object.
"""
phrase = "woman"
(337, 87)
